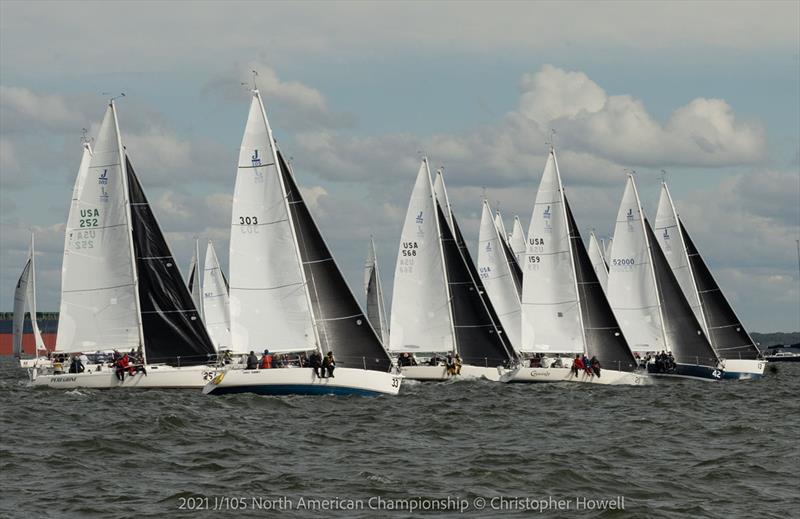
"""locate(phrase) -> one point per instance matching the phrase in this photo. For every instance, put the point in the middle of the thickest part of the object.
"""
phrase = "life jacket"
(266, 362)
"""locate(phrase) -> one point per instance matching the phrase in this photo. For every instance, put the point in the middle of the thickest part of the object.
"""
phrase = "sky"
(703, 94)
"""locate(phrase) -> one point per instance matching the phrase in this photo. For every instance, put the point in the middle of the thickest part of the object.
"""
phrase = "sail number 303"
(248, 220)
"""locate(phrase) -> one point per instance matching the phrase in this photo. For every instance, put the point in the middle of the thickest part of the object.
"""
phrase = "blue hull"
(294, 389)
(691, 371)
(739, 375)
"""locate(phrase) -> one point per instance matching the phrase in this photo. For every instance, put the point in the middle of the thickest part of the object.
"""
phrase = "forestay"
(421, 319)
(632, 289)
(550, 309)
(269, 306)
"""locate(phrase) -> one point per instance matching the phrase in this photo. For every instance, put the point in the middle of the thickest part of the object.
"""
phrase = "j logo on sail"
(419, 218)
(256, 160)
(629, 218)
(489, 247)
(547, 217)
(102, 180)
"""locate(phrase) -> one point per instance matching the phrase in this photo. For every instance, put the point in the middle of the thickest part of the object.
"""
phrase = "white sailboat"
(565, 312)
(121, 289)
(25, 297)
(438, 303)
(500, 275)
(648, 301)
(376, 309)
(739, 355)
(216, 301)
(287, 294)
(518, 241)
(597, 257)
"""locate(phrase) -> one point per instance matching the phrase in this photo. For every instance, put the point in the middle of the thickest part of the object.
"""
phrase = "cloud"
(295, 104)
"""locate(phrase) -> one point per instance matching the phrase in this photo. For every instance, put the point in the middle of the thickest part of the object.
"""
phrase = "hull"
(692, 371)
(439, 373)
(158, 376)
(737, 369)
(607, 377)
(303, 381)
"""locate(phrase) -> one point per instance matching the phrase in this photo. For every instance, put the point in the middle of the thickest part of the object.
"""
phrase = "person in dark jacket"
(595, 365)
(76, 366)
(315, 362)
(252, 361)
(328, 365)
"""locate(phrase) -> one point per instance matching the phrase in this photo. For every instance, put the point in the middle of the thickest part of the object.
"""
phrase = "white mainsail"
(501, 226)
(216, 302)
(195, 288)
(99, 301)
(632, 289)
(551, 319)
(495, 273)
(598, 260)
(421, 316)
(376, 310)
(269, 304)
(25, 295)
(670, 239)
(518, 241)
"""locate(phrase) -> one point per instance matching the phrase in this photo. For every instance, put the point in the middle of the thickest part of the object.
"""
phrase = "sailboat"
(376, 309)
(648, 301)
(287, 294)
(439, 305)
(518, 241)
(216, 301)
(598, 259)
(120, 286)
(564, 308)
(511, 258)
(501, 276)
(740, 357)
(25, 297)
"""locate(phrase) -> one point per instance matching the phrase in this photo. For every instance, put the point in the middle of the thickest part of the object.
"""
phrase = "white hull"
(607, 376)
(743, 369)
(303, 381)
(439, 373)
(158, 376)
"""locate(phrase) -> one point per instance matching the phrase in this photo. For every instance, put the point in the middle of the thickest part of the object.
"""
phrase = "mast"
(291, 222)
(571, 252)
(123, 164)
(652, 263)
(436, 209)
(32, 303)
(198, 270)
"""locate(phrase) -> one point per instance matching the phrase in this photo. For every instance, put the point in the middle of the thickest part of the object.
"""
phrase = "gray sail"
(728, 336)
(376, 310)
(174, 333)
(342, 326)
(603, 335)
(511, 259)
(479, 337)
(684, 333)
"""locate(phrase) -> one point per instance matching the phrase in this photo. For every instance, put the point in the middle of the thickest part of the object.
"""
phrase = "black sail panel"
(477, 339)
(342, 326)
(685, 336)
(727, 334)
(604, 337)
(173, 331)
(192, 277)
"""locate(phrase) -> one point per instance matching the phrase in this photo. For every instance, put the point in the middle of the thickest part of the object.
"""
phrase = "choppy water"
(679, 449)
